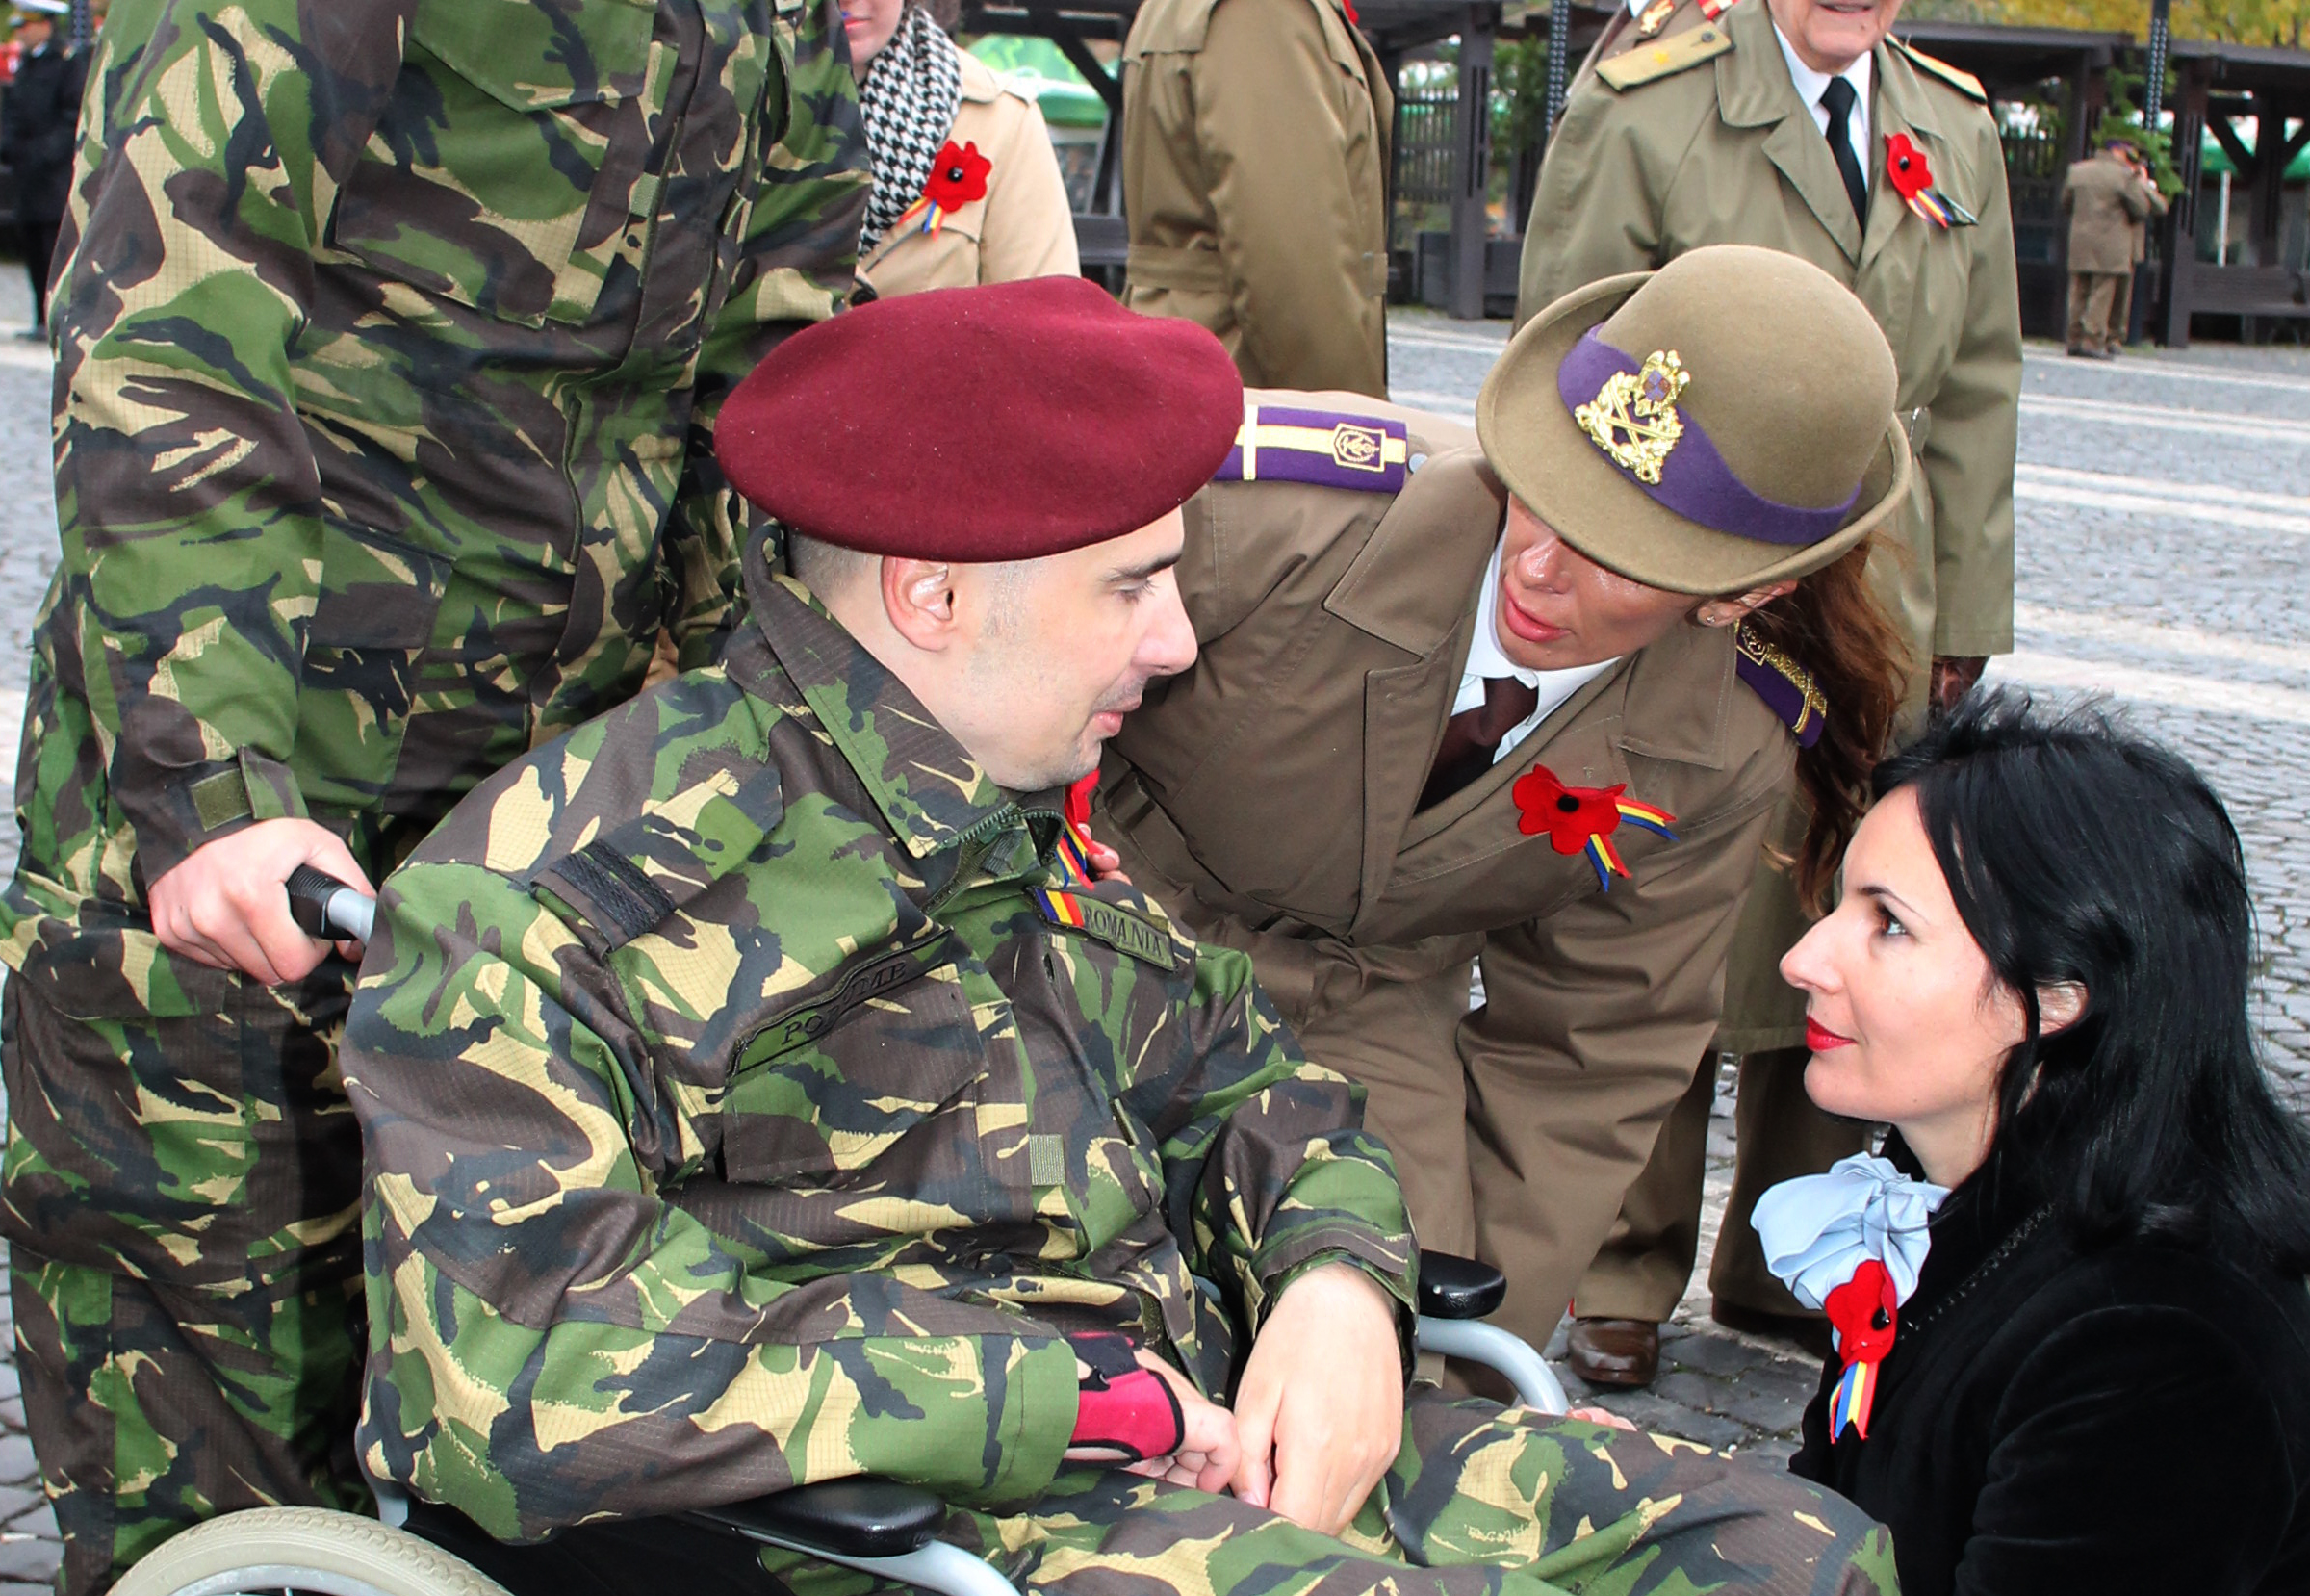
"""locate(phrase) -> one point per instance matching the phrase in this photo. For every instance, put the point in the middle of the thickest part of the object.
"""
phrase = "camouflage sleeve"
(551, 1337)
(800, 245)
(1268, 1167)
(187, 493)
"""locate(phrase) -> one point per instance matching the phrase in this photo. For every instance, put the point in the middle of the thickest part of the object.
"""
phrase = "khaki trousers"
(1641, 1270)
(2090, 297)
(2121, 311)
(1525, 1172)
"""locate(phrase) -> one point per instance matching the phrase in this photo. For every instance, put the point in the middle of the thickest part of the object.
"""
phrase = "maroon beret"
(1000, 422)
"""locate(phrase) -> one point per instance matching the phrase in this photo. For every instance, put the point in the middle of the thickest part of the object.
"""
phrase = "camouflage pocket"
(867, 1090)
(510, 167)
(181, 1118)
(378, 600)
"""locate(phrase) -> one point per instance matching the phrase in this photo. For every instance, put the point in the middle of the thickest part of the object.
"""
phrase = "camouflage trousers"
(1482, 1501)
(180, 1194)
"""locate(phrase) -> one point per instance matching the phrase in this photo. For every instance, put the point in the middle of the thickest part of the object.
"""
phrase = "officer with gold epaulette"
(1531, 697)
(1645, 22)
(1803, 128)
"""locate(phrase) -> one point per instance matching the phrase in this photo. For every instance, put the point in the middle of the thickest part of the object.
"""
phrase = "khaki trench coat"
(2107, 204)
(1719, 149)
(1023, 225)
(1255, 160)
(1268, 796)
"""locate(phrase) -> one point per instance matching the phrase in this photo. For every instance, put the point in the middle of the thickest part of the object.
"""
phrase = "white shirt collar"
(1809, 85)
(1487, 661)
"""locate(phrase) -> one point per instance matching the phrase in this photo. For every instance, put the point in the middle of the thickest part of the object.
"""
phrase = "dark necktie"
(1839, 100)
(1472, 737)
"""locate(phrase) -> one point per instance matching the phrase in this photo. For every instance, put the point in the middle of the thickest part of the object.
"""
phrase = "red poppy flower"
(958, 176)
(1905, 164)
(1569, 815)
(1855, 1309)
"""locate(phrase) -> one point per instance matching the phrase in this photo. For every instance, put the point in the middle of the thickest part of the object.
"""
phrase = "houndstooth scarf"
(908, 99)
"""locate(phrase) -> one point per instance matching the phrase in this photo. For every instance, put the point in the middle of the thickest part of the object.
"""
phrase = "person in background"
(1255, 163)
(2122, 309)
(2074, 1337)
(2107, 205)
(38, 115)
(388, 365)
(967, 184)
(1529, 697)
(1803, 127)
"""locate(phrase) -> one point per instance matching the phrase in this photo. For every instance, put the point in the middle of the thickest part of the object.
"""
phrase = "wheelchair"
(877, 1527)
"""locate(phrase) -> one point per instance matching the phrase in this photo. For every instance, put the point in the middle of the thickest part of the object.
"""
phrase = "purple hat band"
(1695, 482)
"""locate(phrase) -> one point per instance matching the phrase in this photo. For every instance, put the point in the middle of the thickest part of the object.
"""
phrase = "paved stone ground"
(2165, 516)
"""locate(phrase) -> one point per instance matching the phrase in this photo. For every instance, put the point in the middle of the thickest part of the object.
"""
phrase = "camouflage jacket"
(754, 1092)
(388, 349)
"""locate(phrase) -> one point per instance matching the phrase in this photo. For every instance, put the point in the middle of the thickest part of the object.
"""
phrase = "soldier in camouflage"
(758, 1090)
(389, 341)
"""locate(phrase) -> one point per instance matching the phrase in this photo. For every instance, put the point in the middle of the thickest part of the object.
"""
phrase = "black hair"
(2079, 851)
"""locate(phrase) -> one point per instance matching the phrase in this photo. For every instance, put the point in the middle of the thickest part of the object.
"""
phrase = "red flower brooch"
(1582, 819)
(956, 177)
(1865, 1311)
(1913, 180)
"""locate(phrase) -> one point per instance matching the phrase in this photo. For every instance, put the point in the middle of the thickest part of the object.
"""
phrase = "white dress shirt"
(1486, 662)
(1809, 85)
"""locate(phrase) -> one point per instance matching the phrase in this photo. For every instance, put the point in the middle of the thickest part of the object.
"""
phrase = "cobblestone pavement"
(2165, 519)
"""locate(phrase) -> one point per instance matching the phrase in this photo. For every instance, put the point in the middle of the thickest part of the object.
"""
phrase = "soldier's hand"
(1207, 1455)
(225, 903)
(1320, 1413)
(1953, 677)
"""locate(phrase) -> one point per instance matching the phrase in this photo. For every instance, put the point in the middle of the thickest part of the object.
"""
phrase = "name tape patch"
(1102, 921)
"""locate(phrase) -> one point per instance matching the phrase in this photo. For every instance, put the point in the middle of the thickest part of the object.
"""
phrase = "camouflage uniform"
(390, 340)
(755, 1096)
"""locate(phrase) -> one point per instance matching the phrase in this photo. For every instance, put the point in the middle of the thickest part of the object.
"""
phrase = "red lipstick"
(1822, 1040)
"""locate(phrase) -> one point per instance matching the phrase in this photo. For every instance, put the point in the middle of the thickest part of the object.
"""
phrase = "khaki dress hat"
(1722, 423)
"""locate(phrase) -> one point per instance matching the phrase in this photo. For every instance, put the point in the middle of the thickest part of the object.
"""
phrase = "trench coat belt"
(1918, 424)
(1198, 270)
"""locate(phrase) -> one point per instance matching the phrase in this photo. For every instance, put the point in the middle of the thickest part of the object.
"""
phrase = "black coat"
(2134, 1418)
(39, 127)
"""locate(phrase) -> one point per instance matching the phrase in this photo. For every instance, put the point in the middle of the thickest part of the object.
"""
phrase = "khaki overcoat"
(1268, 796)
(1255, 160)
(2107, 204)
(1703, 140)
(1023, 225)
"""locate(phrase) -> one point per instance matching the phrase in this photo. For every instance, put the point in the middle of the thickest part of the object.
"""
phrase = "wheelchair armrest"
(1459, 1288)
(843, 1518)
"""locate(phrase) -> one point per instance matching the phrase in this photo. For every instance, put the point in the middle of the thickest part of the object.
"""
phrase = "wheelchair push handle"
(324, 907)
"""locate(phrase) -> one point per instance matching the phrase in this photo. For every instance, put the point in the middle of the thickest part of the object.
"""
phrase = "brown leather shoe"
(1615, 1351)
(1809, 1331)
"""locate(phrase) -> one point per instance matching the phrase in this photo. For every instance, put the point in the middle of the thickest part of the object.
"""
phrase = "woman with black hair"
(2089, 1368)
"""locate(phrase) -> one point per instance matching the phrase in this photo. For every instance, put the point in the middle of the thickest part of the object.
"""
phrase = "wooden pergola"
(2220, 84)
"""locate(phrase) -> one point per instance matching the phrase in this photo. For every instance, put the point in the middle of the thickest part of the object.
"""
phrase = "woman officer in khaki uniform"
(1529, 698)
(920, 95)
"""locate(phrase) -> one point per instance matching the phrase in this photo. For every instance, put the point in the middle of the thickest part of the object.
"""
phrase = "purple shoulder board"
(1325, 449)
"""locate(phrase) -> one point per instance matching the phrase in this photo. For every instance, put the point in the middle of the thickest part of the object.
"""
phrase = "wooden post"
(1472, 163)
(2178, 237)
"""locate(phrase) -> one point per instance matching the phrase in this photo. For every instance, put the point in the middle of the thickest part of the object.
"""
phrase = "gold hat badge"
(1634, 416)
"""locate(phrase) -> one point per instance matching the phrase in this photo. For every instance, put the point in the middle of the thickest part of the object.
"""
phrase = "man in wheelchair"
(759, 1088)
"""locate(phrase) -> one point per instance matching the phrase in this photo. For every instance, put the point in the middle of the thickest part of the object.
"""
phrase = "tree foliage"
(2232, 22)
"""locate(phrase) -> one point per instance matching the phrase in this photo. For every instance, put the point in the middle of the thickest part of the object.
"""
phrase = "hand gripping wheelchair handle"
(324, 907)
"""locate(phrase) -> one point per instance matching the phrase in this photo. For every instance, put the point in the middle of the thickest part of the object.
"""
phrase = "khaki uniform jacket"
(1255, 160)
(1266, 798)
(1022, 227)
(2106, 204)
(2158, 204)
(1724, 152)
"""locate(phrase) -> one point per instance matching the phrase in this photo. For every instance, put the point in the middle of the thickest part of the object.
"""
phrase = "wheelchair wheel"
(268, 1550)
